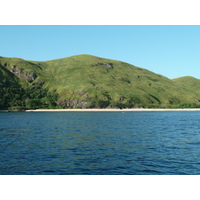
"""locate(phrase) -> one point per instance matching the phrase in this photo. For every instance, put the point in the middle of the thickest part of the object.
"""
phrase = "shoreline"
(114, 110)
(106, 110)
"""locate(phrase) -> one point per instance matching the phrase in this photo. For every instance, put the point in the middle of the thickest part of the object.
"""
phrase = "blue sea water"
(100, 143)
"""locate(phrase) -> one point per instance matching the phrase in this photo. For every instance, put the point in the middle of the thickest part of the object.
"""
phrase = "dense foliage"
(31, 97)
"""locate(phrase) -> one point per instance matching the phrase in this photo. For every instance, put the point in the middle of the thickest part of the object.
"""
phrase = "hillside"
(191, 84)
(88, 81)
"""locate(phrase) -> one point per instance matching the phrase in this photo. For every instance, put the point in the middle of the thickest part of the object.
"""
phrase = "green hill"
(88, 81)
(191, 84)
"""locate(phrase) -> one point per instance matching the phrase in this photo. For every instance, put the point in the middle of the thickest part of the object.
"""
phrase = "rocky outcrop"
(69, 103)
(110, 66)
(28, 76)
(16, 71)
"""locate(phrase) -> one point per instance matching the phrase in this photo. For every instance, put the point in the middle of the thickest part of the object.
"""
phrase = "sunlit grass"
(122, 83)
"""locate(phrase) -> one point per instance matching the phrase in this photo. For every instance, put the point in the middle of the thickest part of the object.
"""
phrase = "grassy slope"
(72, 75)
(76, 73)
(25, 66)
(7, 78)
(191, 84)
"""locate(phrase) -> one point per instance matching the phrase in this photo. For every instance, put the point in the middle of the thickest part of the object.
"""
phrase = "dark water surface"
(100, 143)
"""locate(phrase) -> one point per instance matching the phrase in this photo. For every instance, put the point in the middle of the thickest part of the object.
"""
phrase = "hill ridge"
(88, 81)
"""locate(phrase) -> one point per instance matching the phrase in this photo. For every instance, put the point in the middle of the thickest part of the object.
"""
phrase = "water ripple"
(100, 143)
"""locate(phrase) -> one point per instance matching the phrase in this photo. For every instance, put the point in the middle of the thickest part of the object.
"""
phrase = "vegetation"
(86, 81)
(26, 98)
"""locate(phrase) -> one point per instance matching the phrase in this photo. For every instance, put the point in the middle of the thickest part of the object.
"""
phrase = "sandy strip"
(112, 110)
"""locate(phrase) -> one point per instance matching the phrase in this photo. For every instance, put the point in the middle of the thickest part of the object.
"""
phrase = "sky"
(170, 50)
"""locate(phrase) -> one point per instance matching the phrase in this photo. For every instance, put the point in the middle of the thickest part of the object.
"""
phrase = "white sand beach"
(112, 110)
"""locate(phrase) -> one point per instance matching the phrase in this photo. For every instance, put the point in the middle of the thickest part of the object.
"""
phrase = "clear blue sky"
(172, 51)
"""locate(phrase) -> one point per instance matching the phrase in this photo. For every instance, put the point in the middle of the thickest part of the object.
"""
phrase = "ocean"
(100, 143)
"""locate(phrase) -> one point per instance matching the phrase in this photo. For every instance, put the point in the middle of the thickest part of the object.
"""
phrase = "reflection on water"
(100, 143)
